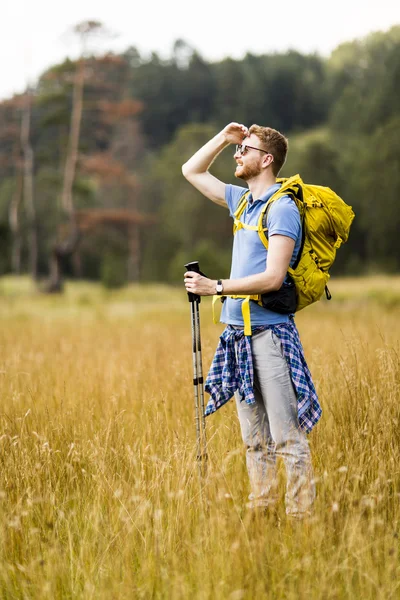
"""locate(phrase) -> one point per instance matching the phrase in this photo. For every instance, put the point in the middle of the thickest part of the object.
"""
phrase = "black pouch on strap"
(284, 300)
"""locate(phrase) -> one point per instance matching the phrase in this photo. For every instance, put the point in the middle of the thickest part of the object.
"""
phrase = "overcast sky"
(33, 33)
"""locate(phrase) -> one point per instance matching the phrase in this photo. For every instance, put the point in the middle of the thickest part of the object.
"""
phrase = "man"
(274, 393)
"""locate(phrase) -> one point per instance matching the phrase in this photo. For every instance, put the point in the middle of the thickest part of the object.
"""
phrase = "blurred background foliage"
(138, 120)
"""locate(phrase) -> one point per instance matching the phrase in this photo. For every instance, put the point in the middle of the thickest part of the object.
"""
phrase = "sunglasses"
(242, 149)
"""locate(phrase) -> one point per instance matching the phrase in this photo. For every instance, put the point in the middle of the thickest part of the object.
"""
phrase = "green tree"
(365, 78)
(375, 189)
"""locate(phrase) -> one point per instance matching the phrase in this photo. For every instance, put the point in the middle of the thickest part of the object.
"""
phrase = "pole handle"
(194, 266)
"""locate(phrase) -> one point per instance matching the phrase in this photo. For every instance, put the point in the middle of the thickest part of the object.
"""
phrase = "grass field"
(99, 491)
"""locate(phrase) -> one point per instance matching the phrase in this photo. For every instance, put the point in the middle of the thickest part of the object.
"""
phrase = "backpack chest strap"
(260, 228)
(237, 224)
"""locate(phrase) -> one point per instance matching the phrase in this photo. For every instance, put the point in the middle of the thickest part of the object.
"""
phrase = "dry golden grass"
(99, 492)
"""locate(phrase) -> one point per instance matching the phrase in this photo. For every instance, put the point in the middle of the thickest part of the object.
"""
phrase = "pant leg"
(273, 381)
(260, 453)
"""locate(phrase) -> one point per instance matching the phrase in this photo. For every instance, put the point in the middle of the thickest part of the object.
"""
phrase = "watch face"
(219, 287)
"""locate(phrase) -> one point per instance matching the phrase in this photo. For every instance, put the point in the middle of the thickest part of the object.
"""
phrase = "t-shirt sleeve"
(284, 218)
(233, 193)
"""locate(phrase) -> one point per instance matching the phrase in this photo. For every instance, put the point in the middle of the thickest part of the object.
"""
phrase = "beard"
(247, 172)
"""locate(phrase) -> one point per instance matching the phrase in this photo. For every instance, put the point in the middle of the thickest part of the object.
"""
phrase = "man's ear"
(267, 160)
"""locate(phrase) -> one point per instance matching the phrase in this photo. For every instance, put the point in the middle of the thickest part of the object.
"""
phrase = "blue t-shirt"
(249, 254)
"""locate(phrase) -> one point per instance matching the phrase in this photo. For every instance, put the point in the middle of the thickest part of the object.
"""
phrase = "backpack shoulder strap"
(262, 222)
(237, 224)
(291, 187)
(241, 204)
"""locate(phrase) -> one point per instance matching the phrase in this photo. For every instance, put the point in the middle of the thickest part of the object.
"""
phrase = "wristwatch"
(219, 288)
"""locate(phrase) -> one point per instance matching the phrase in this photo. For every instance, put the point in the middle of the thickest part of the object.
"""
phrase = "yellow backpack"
(326, 221)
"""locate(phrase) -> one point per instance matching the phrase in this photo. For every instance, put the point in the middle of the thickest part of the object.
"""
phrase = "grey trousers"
(270, 429)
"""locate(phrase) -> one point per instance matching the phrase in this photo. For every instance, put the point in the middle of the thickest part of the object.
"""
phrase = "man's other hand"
(197, 284)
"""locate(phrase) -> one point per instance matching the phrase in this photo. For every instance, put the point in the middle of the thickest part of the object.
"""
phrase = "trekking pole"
(200, 422)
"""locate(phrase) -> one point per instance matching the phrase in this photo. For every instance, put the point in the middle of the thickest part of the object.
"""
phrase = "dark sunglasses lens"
(241, 149)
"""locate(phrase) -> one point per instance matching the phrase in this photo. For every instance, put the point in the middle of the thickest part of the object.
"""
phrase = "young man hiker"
(267, 373)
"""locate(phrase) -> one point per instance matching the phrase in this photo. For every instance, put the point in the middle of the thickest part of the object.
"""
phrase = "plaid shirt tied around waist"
(227, 374)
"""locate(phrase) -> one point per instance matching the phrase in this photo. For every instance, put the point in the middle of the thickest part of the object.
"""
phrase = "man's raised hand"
(235, 133)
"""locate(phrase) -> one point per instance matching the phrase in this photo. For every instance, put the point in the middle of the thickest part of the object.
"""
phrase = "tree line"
(90, 156)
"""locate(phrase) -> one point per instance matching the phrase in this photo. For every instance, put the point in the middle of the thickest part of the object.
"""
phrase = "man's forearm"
(204, 157)
(261, 283)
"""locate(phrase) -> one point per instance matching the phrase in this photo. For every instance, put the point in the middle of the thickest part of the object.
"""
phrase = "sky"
(35, 34)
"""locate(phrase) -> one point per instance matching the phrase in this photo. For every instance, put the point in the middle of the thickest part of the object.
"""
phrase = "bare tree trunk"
(134, 253)
(67, 202)
(73, 143)
(13, 219)
(60, 252)
(56, 283)
(28, 184)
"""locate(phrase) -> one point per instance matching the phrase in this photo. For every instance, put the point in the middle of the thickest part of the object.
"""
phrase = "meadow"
(99, 493)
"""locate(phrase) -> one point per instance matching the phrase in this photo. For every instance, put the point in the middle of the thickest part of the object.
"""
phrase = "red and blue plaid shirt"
(227, 374)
